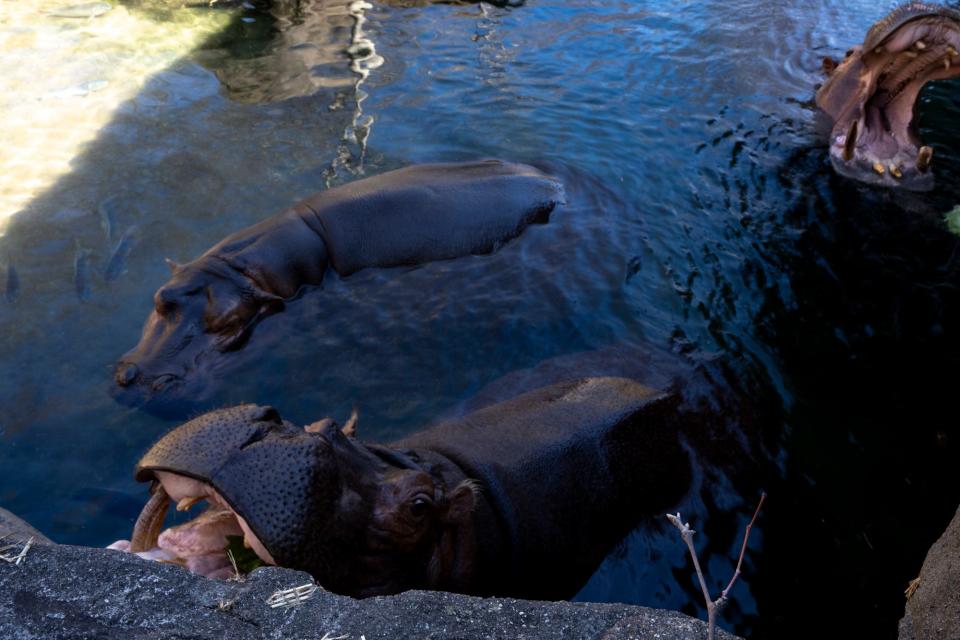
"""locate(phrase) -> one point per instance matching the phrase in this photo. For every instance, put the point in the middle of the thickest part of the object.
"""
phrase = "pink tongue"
(204, 535)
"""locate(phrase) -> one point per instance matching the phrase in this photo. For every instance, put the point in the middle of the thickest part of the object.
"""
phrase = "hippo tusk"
(148, 526)
(185, 503)
(850, 143)
(924, 158)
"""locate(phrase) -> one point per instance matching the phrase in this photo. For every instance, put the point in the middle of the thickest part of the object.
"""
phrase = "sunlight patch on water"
(64, 77)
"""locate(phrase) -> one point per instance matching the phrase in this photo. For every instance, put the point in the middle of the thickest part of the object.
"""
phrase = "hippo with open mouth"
(409, 216)
(522, 498)
(871, 96)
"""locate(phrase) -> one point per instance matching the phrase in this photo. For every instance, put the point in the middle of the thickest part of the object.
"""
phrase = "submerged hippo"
(871, 96)
(523, 498)
(410, 216)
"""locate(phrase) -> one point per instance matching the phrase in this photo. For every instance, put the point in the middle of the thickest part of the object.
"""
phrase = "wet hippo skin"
(523, 498)
(410, 216)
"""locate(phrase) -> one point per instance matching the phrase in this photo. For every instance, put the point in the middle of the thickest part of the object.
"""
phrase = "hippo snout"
(126, 374)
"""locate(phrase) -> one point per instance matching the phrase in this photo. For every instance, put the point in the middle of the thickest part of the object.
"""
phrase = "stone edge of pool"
(933, 608)
(86, 592)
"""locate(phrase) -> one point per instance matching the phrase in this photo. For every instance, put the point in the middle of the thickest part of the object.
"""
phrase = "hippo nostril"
(126, 373)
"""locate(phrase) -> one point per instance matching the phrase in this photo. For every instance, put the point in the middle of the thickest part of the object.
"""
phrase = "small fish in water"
(109, 210)
(118, 259)
(81, 273)
(12, 290)
(85, 10)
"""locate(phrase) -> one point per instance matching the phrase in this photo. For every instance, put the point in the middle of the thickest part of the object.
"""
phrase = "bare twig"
(743, 548)
(713, 606)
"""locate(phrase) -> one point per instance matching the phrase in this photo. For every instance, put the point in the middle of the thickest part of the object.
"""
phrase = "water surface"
(704, 220)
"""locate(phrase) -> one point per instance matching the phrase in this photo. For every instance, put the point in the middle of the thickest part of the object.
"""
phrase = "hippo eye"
(420, 506)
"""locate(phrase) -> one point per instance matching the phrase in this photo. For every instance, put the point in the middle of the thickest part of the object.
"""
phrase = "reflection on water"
(703, 219)
(363, 59)
(94, 57)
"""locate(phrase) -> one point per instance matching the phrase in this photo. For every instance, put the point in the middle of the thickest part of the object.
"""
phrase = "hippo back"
(568, 470)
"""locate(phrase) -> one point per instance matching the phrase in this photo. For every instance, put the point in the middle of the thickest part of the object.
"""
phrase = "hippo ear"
(174, 267)
(319, 425)
(268, 302)
(462, 501)
(350, 429)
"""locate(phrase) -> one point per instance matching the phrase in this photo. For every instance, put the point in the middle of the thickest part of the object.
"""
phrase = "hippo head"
(871, 96)
(314, 499)
(206, 308)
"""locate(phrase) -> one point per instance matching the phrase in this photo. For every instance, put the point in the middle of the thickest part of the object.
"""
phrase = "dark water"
(704, 220)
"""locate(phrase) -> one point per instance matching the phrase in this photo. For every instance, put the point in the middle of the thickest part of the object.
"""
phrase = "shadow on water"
(816, 318)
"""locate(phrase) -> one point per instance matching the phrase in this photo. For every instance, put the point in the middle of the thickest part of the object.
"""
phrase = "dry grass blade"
(296, 596)
(18, 557)
(236, 572)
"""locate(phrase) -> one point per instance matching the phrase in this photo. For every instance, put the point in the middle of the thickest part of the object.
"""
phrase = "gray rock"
(13, 529)
(78, 592)
(933, 611)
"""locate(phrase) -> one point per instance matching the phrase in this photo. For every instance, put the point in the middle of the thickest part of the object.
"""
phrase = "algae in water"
(953, 220)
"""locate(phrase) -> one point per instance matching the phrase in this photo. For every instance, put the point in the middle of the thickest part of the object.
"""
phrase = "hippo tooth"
(877, 50)
(910, 54)
(879, 168)
(924, 158)
(946, 63)
(895, 171)
(951, 51)
(919, 44)
(185, 503)
(850, 143)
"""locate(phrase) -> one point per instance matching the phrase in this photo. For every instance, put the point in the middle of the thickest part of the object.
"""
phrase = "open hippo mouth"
(201, 544)
(872, 95)
(296, 496)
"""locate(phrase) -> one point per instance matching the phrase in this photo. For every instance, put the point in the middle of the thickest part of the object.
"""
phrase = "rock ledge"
(79, 592)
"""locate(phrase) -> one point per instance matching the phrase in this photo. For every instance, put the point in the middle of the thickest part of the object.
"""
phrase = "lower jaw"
(897, 172)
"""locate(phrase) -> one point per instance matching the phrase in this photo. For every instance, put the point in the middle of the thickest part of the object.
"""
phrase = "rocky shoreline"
(72, 592)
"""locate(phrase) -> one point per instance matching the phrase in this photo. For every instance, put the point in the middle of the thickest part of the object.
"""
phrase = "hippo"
(410, 216)
(871, 95)
(523, 498)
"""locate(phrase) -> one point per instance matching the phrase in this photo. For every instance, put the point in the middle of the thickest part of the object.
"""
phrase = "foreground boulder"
(933, 610)
(76, 592)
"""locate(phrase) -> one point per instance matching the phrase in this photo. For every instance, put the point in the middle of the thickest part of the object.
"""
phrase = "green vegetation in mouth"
(953, 220)
(246, 559)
